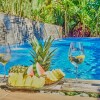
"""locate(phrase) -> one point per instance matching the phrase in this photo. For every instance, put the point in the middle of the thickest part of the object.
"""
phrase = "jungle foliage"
(66, 13)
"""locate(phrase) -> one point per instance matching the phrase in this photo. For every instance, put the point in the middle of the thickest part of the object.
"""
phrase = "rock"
(42, 91)
(77, 95)
(61, 93)
(49, 92)
(55, 93)
(84, 95)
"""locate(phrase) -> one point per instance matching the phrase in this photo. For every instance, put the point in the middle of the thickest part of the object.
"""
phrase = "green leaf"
(41, 53)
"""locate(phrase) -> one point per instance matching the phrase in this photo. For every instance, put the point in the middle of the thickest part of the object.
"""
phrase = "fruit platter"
(21, 77)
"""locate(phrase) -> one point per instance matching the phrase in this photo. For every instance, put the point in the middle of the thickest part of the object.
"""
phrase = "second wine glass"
(76, 55)
(5, 55)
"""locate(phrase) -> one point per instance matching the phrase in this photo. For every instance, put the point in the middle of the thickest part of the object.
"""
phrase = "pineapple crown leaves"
(36, 45)
(41, 53)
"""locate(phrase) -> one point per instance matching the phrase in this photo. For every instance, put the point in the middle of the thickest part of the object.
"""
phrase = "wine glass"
(76, 55)
(5, 55)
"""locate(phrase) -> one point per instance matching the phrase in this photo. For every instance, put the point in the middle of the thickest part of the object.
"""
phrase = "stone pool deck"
(54, 92)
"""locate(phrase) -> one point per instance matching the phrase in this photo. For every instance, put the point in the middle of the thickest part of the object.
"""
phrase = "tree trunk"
(65, 23)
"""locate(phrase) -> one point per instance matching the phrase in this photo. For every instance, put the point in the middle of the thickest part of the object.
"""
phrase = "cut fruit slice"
(12, 79)
(28, 81)
(30, 71)
(38, 82)
(80, 57)
(50, 78)
(56, 74)
(20, 81)
(53, 76)
(39, 69)
(60, 73)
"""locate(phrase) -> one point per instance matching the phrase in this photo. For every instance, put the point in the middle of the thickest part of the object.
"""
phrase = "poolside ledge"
(68, 85)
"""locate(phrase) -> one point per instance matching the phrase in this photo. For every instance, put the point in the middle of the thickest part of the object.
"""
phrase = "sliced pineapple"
(53, 76)
(60, 73)
(50, 78)
(48, 81)
(20, 80)
(12, 79)
(56, 74)
(38, 82)
(28, 81)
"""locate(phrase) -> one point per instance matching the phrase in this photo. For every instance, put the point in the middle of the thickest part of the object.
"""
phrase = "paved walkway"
(8, 95)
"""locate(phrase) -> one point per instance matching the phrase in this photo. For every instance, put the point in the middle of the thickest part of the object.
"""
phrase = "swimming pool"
(89, 69)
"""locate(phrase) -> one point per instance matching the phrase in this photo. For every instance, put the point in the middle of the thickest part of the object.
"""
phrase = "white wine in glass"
(76, 54)
(5, 55)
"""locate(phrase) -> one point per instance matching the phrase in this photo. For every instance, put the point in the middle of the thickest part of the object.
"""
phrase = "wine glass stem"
(4, 72)
(76, 74)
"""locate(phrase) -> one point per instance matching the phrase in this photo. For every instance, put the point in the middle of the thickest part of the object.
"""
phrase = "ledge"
(69, 85)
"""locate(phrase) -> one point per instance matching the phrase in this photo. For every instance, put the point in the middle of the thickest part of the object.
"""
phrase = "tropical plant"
(66, 13)
(41, 53)
(94, 13)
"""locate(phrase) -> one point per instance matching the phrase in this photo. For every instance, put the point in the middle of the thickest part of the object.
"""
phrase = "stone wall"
(15, 29)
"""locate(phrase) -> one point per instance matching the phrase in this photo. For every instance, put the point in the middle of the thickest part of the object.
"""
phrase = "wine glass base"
(3, 79)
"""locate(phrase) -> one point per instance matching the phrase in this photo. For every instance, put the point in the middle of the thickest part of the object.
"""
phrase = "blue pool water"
(89, 69)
